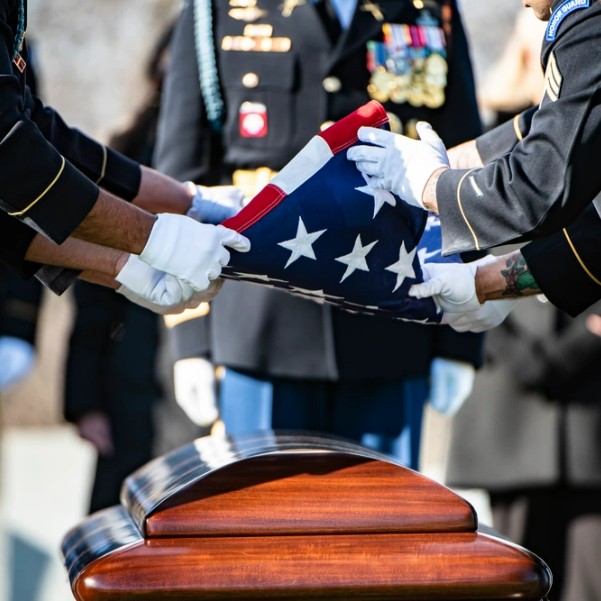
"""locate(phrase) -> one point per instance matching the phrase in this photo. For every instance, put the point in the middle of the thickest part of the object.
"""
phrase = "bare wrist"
(429, 195)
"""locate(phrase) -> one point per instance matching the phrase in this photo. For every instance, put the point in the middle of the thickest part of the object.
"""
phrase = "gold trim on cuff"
(516, 128)
(103, 168)
(579, 259)
(471, 229)
(34, 202)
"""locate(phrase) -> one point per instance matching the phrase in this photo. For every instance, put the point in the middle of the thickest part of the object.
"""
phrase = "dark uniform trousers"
(362, 377)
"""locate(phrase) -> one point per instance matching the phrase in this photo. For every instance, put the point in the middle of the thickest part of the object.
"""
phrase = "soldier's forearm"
(507, 277)
(160, 193)
(98, 263)
(465, 156)
(117, 224)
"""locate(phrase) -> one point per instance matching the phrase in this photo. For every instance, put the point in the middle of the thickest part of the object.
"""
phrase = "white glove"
(398, 163)
(490, 315)
(194, 389)
(193, 252)
(451, 382)
(214, 204)
(452, 286)
(17, 357)
(141, 282)
(197, 297)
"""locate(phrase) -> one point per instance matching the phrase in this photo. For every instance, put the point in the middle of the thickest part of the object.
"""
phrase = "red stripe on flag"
(343, 133)
(268, 198)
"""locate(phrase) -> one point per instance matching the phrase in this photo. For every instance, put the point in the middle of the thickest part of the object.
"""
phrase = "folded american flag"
(319, 231)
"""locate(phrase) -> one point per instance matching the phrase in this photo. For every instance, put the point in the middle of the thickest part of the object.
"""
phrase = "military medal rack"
(291, 517)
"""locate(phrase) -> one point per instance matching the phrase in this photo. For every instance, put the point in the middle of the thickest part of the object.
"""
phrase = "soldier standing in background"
(250, 82)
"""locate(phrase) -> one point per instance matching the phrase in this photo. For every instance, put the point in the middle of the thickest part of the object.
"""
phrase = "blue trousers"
(381, 415)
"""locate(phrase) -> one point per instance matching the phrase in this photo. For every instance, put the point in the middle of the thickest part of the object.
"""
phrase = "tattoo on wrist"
(518, 279)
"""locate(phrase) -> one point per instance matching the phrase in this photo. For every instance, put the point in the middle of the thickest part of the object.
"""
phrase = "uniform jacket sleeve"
(567, 264)
(111, 170)
(552, 173)
(39, 185)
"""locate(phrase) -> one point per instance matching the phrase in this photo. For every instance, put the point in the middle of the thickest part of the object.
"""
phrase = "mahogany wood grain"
(407, 567)
(311, 493)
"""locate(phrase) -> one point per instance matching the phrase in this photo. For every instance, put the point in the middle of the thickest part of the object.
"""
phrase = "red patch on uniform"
(253, 120)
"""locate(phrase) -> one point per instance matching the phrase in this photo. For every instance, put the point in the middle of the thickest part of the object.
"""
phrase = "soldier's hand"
(214, 204)
(489, 315)
(194, 389)
(398, 163)
(452, 286)
(193, 252)
(161, 292)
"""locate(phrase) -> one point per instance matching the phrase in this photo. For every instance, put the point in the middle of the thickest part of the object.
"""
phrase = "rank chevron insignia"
(318, 230)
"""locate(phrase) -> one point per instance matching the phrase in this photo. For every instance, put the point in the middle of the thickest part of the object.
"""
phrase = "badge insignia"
(248, 14)
(553, 79)
(20, 63)
(288, 6)
(560, 13)
(373, 8)
(409, 65)
(252, 120)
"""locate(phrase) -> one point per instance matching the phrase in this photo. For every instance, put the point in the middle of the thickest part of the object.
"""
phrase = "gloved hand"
(451, 382)
(193, 252)
(197, 297)
(194, 389)
(489, 315)
(214, 204)
(452, 286)
(151, 288)
(398, 163)
(17, 357)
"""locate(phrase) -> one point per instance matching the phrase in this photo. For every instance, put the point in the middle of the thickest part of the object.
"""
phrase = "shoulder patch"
(560, 13)
(553, 78)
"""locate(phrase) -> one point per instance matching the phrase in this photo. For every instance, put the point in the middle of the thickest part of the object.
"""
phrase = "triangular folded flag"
(319, 231)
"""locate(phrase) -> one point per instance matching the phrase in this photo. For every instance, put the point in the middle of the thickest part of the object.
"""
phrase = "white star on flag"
(380, 197)
(301, 245)
(403, 267)
(356, 258)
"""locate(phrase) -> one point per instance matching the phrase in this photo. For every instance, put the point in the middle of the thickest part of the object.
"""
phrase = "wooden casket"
(291, 516)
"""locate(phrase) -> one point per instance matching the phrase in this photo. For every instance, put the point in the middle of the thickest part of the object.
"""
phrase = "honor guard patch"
(318, 230)
(560, 13)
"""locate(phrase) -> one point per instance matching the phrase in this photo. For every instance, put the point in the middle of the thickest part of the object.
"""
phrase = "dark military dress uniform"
(567, 265)
(546, 169)
(278, 74)
(49, 173)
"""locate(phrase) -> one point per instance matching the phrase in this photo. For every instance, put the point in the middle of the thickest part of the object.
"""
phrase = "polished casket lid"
(291, 516)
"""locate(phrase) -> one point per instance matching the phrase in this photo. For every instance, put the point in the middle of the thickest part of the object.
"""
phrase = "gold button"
(250, 80)
(325, 125)
(332, 84)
